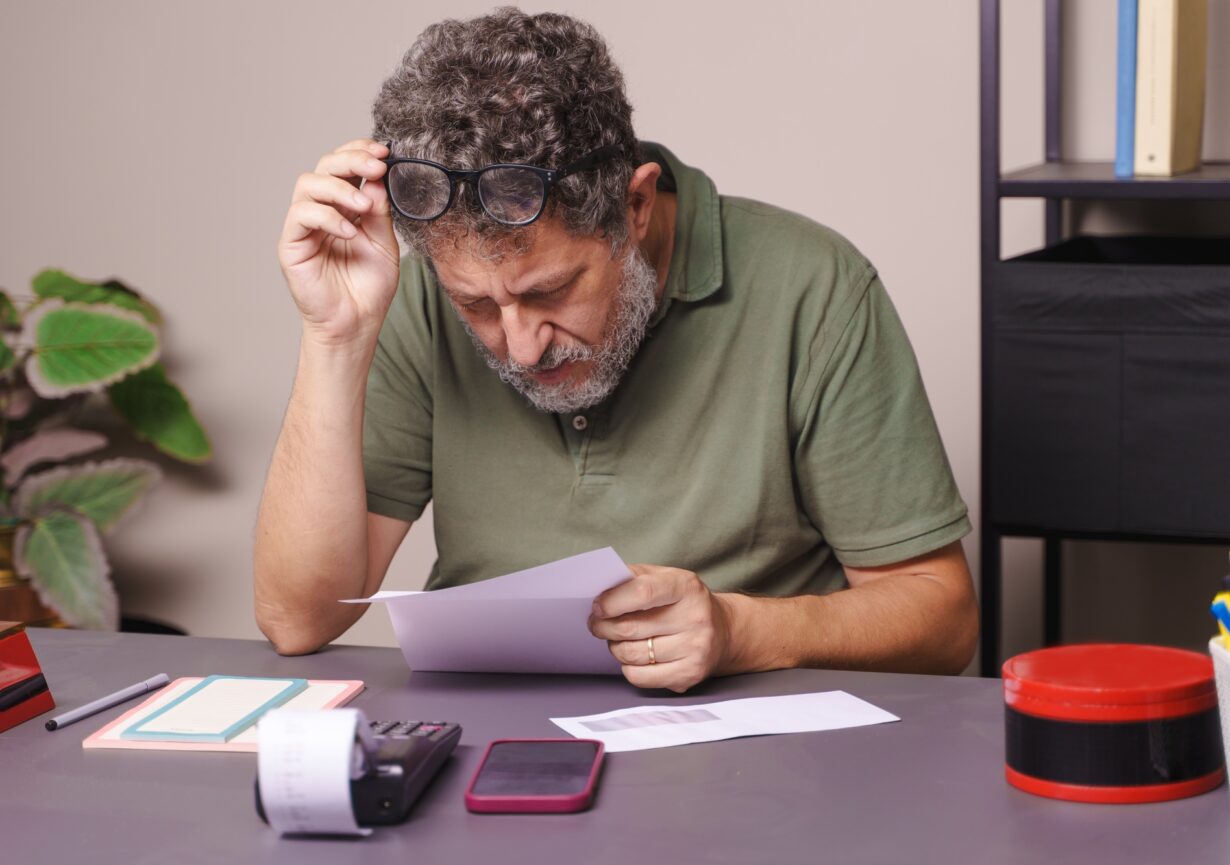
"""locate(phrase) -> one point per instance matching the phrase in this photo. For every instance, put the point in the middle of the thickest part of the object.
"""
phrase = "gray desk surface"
(927, 790)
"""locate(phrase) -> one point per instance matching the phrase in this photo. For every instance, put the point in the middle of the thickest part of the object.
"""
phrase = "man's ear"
(642, 192)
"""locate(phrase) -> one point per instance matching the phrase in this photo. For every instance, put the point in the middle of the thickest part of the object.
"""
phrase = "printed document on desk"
(531, 621)
(644, 727)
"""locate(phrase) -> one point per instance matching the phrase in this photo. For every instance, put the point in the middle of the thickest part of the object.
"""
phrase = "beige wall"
(160, 142)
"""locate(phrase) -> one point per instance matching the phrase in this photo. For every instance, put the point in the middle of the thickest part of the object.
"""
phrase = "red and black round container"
(1112, 723)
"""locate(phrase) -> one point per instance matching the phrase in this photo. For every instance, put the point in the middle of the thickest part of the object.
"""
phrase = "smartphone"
(536, 776)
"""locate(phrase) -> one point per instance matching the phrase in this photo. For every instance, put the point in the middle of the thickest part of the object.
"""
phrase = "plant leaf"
(57, 444)
(83, 347)
(9, 317)
(7, 356)
(20, 401)
(104, 491)
(62, 556)
(57, 283)
(159, 413)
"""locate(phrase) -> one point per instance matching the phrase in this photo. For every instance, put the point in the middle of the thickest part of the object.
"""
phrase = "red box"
(1112, 723)
(21, 678)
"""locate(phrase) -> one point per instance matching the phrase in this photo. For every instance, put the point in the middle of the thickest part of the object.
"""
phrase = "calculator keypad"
(408, 729)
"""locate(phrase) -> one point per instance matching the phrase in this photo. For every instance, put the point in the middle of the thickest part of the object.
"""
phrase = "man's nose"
(526, 335)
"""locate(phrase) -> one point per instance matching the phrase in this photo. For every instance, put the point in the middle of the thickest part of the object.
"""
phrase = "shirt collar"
(696, 262)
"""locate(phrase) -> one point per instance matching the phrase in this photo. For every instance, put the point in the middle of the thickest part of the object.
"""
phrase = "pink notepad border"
(96, 740)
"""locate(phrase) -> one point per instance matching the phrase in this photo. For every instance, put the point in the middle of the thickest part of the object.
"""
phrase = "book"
(319, 694)
(1171, 56)
(1125, 92)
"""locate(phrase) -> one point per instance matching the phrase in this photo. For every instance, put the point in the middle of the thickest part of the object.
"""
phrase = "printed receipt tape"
(307, 759)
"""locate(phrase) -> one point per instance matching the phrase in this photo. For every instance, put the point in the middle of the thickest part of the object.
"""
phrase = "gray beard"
(635, 301)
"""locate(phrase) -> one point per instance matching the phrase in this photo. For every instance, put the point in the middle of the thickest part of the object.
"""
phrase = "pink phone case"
(526, 804)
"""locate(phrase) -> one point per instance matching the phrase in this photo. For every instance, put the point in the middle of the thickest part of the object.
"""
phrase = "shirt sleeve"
(873, 475)
(397, 416)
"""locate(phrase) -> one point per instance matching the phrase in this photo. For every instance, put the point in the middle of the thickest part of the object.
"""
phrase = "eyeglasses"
(510, 194)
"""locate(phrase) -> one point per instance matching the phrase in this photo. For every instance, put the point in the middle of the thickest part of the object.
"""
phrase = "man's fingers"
(635, 653)
(305, 217)
(330, 200)
(645, 591)
(326, 189)
(379, 197)
(640, 625)
(677, 676)
(353, 166)
(376, 148)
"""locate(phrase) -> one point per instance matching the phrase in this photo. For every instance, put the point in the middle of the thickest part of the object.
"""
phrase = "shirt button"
(579, 423)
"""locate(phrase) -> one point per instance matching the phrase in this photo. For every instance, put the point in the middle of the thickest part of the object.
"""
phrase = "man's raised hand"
(337, 250)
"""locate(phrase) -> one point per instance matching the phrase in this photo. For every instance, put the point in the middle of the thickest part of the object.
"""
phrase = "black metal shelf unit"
(1097, 180)
(1105, 362)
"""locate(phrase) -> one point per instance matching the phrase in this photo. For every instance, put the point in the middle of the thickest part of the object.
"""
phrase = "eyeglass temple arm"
(588, 161)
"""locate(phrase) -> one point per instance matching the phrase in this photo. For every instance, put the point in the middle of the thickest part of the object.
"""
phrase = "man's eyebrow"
(457, 296)
(453, 294)
(552, 281)
(544, 285)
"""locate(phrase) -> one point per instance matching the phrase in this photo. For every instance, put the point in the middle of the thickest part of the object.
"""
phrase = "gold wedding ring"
(652, 658)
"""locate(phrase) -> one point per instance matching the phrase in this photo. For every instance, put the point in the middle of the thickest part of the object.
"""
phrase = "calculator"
(408, 755)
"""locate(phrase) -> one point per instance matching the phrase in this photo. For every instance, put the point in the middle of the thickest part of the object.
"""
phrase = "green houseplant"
(74, 342)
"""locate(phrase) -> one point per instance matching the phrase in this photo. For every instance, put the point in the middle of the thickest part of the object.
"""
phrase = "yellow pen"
(1221, 610)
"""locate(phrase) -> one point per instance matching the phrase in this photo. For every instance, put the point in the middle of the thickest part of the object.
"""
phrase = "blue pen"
(1222, 612)
(103, 703)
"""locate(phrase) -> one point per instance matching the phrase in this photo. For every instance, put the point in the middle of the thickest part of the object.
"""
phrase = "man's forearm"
(311, 535)
(908, 623)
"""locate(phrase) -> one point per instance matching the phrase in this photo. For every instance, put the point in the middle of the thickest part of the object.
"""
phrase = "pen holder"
(1112, 723)
(23, 690)
(1221, 670)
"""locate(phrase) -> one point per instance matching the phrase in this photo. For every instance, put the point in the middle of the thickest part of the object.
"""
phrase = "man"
(598, 349)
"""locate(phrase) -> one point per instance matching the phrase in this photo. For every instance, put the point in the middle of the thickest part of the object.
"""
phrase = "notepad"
(215, 709)
(320, 694)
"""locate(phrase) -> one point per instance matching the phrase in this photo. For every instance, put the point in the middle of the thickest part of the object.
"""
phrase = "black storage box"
(1110, 376)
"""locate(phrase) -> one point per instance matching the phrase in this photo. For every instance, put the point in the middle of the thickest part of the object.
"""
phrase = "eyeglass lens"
(511, 195)
(419, 191)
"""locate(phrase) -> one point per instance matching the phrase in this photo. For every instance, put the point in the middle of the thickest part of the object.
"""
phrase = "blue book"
(1125, 102)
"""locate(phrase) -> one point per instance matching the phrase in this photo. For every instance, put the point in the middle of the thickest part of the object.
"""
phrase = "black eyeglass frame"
(457, 176)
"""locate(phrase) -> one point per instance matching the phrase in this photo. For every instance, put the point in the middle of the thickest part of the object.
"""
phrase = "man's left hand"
(689, 627)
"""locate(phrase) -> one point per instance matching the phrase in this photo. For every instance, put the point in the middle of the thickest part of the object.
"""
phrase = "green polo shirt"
(772, 426)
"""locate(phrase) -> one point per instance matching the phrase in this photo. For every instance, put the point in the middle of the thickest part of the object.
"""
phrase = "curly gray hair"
(511, 87)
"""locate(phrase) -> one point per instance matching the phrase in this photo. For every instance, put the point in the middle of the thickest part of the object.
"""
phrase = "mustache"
(555, 356)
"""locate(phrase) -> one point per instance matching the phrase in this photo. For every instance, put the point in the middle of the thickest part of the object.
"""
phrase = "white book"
(1171, 56)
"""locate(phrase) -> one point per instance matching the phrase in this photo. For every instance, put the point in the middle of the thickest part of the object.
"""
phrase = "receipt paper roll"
(306, 761)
